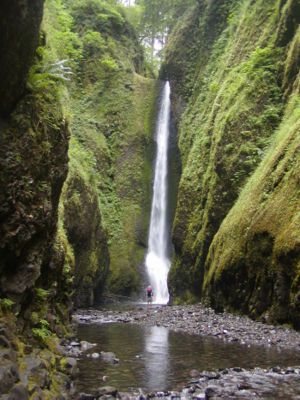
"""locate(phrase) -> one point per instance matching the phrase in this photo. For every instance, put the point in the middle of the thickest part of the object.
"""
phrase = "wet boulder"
(109, 357)
(106, 391)
(8, 377)
(18, 392)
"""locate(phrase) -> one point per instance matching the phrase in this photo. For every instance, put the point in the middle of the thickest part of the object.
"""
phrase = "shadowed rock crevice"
(19, 36)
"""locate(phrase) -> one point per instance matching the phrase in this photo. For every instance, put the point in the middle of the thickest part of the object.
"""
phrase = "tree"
(158, 18)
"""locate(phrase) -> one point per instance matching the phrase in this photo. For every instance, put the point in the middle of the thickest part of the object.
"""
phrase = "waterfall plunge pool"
(156, 358)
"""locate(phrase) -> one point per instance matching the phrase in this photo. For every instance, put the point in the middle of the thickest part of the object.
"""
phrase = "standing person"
(149, 291)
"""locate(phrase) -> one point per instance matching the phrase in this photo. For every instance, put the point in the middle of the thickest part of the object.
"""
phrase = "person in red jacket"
(149, 291)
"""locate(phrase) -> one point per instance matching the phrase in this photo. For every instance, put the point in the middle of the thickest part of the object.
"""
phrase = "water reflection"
(153, 358)
(157, 356)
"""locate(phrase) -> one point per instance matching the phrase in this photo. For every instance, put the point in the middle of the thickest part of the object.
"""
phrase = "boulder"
(109, 357)
(8, 377)
(18, 392)
(106, 390)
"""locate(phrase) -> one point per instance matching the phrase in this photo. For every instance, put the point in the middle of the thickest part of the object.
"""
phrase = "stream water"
(159, 359)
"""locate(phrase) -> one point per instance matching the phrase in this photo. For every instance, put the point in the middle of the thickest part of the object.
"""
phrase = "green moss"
(233, 85)
(267, 206)
(105, 205)
(133, 188)
(6, 304)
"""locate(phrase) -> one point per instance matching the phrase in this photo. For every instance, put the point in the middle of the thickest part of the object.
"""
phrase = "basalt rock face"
(236, 229)
(33, 160)
(34, 299)
(19, 36)
(34, 144)
(82, 221)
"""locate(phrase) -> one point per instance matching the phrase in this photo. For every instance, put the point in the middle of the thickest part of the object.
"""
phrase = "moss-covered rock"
(110, 183)
(253, 263)
(35, 259)
(235, 80)
(106, 200)
(34, 143)
(82, 221)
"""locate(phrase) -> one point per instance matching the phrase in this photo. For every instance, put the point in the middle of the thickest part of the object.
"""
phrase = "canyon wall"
(234, 71)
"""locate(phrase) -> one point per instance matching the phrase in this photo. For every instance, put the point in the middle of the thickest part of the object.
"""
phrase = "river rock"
(18, 392)
(237, 369)
(86, 396)
(109, 357)
(70, 362)
(106, 390)
(84, 345)
(243, 386)
(75, 344)
(174, 395)
(124, 396)
(213, 391)
(4, 342)
(289, 370)
(199, 396)
(194, 373)
(209, 375)
(8, 377)
(276, 369)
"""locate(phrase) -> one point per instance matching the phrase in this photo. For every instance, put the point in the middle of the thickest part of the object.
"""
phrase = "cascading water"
(157, 261)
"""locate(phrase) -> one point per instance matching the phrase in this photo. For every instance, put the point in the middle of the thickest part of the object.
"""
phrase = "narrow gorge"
(146, 142)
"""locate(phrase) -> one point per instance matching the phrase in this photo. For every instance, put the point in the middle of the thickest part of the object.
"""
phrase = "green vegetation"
(261, 250)
(153, 20)
(6, 304)
(76, 155)
(42, 332)
(231, 82)
(105, 205)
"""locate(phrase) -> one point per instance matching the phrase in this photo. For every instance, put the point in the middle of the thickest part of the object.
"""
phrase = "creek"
(156, 358)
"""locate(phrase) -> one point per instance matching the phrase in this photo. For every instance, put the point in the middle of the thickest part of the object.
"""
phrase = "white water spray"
(157, 261)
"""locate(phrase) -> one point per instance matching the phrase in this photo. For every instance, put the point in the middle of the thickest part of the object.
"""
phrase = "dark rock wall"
(34, 292)
(33, 159)
(19, 35)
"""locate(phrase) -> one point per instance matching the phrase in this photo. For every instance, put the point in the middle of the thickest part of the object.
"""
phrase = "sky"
(127, 2)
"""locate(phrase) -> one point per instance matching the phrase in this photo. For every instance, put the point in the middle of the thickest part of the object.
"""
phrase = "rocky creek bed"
(225, 383)
(199, 320)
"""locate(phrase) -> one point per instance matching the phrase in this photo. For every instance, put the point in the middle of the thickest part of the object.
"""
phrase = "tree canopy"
(154, 19)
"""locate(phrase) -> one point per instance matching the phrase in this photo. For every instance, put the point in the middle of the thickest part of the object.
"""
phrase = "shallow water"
(158, 359)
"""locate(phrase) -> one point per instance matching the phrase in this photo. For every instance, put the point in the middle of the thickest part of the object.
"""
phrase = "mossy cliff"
(106, 200)
(233, 68)
(34, 303)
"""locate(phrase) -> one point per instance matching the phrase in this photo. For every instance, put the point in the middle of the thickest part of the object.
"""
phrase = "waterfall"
(157, 261)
